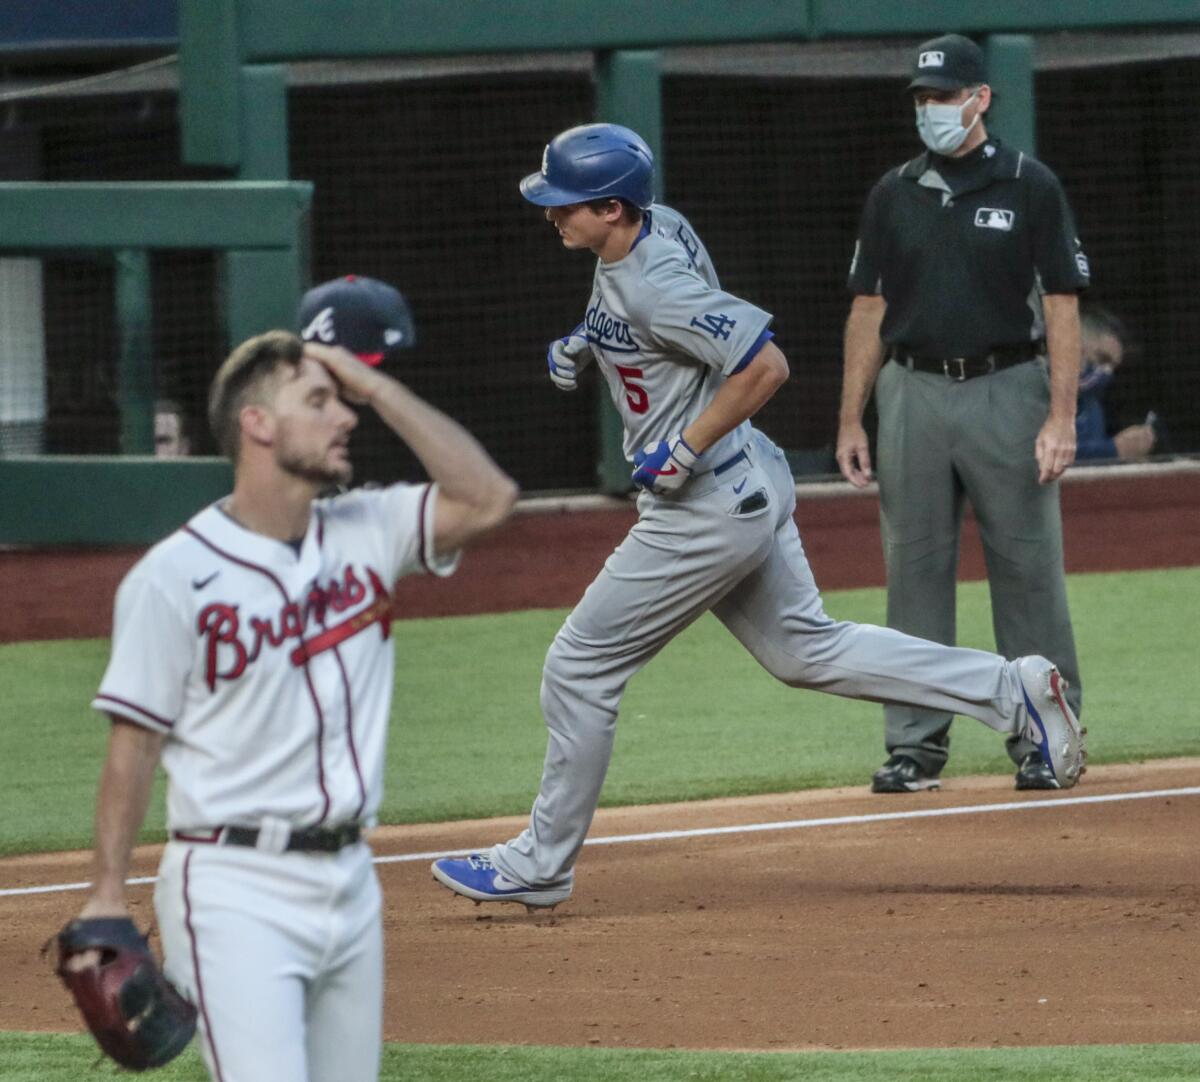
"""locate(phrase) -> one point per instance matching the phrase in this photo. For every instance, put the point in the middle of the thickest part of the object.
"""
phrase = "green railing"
(67, 500)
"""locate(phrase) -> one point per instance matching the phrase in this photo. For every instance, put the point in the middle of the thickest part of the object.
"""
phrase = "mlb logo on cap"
(364, 315)
(948, 63)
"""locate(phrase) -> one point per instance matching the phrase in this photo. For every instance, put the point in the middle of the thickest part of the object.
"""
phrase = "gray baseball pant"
(941, 443)
(727, 543)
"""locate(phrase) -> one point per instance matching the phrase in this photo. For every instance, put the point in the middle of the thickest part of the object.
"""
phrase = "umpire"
(965, 279)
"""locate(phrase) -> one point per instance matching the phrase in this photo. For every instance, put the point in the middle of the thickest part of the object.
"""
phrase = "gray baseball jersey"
(666, 336)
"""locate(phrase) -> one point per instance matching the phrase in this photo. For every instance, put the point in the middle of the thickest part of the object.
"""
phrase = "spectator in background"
(170, 430)
(1105, 340)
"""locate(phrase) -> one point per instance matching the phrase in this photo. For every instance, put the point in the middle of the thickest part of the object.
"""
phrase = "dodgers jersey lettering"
(665, 335)
(269, 670)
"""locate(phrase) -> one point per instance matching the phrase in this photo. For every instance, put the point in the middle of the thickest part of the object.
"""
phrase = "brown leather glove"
(134, 1013)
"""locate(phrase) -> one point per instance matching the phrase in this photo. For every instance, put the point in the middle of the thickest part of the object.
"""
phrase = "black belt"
(729, 463)
(961, 368)
(313, 840)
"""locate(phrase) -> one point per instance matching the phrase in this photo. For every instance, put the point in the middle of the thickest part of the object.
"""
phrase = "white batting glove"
(567, 357)
(664, 466)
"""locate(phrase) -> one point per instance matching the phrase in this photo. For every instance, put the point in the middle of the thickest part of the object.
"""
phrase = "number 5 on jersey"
(635, 393)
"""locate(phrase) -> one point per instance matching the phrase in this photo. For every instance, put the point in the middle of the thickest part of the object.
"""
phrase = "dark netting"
(81, 357)
(189, 342)
(84, 387)
(773, 173)
(416, 183)
(1125, 140)
(769, 150)
(110, 137)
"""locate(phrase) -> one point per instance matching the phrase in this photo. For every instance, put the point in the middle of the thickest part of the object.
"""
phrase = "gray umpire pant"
(942, 442)
(726, 543)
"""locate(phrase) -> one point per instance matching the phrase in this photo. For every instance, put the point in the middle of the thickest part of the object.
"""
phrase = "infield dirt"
(1070, 924)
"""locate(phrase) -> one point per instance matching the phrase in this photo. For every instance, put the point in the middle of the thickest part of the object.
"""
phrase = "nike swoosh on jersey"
(738, 487)
(199, 584)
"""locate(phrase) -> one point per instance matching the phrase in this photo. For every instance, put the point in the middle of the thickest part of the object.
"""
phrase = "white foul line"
(747, 828)
(54, 888)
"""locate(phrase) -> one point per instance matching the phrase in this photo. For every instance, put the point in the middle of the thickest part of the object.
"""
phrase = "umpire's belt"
(313, 840)
(960, 368)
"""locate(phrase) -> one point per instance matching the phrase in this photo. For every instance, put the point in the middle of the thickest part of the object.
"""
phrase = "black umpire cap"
(948, 63)
(366, 316)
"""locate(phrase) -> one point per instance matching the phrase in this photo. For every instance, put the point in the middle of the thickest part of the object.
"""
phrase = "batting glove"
(567, 357)
(664, 466)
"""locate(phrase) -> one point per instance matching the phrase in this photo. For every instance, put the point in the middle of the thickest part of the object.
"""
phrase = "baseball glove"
(131, 1009)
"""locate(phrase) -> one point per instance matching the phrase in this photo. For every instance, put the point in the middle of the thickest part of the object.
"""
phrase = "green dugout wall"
(68, 499)
(234, 117)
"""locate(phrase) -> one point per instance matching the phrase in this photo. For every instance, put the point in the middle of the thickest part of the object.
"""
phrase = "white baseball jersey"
(666, 336)
(270, 670)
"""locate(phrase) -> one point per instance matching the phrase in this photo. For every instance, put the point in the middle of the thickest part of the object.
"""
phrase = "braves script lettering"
(227, 655)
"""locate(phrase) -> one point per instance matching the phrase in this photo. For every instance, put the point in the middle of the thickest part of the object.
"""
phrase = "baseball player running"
(687, 365)
(251, 650)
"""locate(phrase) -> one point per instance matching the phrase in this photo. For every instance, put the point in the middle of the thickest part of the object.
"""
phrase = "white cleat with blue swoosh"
(1046, 719)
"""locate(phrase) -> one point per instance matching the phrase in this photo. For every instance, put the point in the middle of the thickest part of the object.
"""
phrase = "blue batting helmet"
(593, 161)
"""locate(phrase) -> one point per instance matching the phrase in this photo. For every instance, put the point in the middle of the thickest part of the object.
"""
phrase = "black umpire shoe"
(900, 774)
(1033, 773)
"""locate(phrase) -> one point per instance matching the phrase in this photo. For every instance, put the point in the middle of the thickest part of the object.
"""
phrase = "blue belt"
(729, 463)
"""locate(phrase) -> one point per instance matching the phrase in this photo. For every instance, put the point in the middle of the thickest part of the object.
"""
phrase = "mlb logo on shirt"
(990, 218)
(934, 58)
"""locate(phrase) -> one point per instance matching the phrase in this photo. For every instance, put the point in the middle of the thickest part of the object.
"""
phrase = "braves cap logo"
(932, 58)
(392, 337)
(321, 327)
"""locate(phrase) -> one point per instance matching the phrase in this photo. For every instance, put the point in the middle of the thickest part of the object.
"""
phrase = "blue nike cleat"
(477, 878)
(1045, 719)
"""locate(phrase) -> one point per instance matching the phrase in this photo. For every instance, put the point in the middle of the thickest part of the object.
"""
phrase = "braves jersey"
(666, 336)
(269, 669)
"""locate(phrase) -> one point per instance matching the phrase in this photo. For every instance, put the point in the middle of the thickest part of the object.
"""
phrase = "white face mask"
(941, 126)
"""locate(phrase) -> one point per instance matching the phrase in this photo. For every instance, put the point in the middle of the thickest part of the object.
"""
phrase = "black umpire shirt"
(962, 249)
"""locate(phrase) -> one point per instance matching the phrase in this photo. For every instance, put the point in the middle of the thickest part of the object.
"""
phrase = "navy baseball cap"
(364, 315)
(948, 63)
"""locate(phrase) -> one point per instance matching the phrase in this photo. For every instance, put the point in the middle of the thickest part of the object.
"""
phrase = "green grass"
(57, 1058)
(701, 721)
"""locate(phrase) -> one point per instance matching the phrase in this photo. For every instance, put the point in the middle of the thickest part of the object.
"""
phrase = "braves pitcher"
(687, 365)
(252, 649)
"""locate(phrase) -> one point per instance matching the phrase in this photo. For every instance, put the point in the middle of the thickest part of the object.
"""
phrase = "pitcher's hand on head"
(357, 381)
